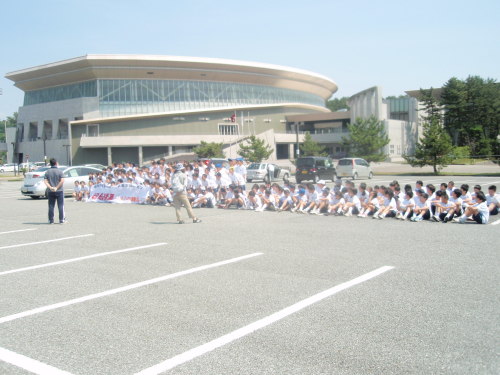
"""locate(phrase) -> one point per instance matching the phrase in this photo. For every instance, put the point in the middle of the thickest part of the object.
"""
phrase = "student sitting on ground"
(268, 201)
(444, 209)
(373, 204)
(254, 202)
(323, 202)
(286, 201)
(405, 206)
(352, 205)
(493, 200)
(76, 191)
(422, 208)
(337, 203)
(389, 209)
(478, 212)
(301, 200)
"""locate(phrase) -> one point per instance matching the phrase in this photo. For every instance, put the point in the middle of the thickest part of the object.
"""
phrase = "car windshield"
(345, 162)
(254, 166)
(307, 162)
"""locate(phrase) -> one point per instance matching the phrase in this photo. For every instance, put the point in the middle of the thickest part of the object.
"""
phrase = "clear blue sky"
(398, 45)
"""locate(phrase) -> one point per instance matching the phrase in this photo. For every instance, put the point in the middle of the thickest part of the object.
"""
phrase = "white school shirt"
(405, 203)
(362, 198)
(449, 191)
(419, 203)
(334, 200)
(447, 206)
(357, 203)
(495, 199)
(313, 197)
(484, 211)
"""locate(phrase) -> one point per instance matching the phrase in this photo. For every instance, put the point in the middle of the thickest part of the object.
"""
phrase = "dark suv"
(314, 168)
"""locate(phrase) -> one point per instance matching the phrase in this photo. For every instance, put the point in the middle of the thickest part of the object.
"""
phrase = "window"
(320, 163)
(228, 129)
(71, 173)
(92, 130)
(391, 149)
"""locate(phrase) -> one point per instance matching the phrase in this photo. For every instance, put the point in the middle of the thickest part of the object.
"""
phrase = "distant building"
(109, 108)
(104, 108)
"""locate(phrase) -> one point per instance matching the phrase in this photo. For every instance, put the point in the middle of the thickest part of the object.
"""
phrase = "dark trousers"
(56, 196)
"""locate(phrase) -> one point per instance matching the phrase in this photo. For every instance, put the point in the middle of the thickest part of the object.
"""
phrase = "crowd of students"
(219, 186)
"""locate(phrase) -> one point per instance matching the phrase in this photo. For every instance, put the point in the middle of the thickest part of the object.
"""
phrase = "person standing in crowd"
(179, 184)
(54, 180)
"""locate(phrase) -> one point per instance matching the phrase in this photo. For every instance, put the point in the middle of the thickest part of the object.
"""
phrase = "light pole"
(67, 154)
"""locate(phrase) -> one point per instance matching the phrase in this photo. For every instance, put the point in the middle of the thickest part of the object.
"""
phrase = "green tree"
(10, 121)
(367, 139)
(310, 147)
(256, 150)
(472, 113)
(337, 104)
(209, 150)
(434, 148)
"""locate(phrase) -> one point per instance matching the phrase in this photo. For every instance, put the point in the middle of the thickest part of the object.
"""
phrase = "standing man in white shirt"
(179, 184)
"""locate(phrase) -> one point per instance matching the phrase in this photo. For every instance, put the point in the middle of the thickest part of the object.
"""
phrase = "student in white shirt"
(300, 200)
(422, 208)
(373, 204)
(389, 209)
(76, 191)
(479, 211)
(450, 188)
(253, 202)
(493, 200)
(444, 209)
(286, 201)
(352, 205)
(405, 206)
(336, 203)
(323, 202)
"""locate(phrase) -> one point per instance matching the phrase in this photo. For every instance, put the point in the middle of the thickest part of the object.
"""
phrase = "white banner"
(123, 193)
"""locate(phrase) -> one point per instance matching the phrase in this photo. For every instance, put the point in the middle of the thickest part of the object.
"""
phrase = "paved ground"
(244, 292)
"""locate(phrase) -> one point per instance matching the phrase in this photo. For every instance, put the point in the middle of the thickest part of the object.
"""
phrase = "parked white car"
(35, 187)
(259, 171)
(11, 167)
(354, 168)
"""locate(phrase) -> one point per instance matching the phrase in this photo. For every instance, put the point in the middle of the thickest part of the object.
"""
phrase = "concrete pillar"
(170, 150)
(140, 155)
(110, 156)
(290, 151)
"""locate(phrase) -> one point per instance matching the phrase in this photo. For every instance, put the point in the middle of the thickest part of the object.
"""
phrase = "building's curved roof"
(91, 67)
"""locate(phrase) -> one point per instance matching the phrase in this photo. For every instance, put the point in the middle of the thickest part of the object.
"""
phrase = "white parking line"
(79, 258)
(19, 230)
(47, 241)
(74, 301)
(246, 330)
(29, 364)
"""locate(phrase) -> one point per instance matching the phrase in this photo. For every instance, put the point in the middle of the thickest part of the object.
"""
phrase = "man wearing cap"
(179, 183)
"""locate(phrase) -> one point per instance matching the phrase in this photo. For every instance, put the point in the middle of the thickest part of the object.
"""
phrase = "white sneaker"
(347, 214)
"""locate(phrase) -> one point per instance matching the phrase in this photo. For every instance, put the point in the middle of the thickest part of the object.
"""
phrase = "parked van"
(314, 168)
(354, 168)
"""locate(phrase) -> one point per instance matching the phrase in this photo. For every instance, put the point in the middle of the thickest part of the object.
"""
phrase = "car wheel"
(354, 176)
(249, 180)
(34, 197)
(315, 178)
(370, 176)
(286, 177)
(298, 180)
(334, 177)
(1, 170)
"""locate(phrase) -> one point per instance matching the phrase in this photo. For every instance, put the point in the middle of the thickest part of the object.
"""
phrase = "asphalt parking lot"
(122, 289)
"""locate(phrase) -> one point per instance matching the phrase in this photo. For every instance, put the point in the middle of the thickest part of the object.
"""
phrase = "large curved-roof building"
(103, 108)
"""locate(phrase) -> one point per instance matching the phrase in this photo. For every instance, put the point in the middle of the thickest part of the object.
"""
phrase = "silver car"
(259, 171)
(354, 168)
(35, 187)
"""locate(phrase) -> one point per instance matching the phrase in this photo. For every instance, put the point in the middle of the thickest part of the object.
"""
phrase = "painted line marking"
(29, 364)
(496, 222)
(47, 241)
(248, 329)
(79, 258)
(19, 230)
(89, 297)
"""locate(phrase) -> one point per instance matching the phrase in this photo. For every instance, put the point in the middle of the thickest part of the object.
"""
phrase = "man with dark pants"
(54, 180)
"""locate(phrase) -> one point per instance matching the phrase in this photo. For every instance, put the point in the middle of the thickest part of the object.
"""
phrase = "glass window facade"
(128, 97)
(399, 108)
(52, 94)
(118, 97)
